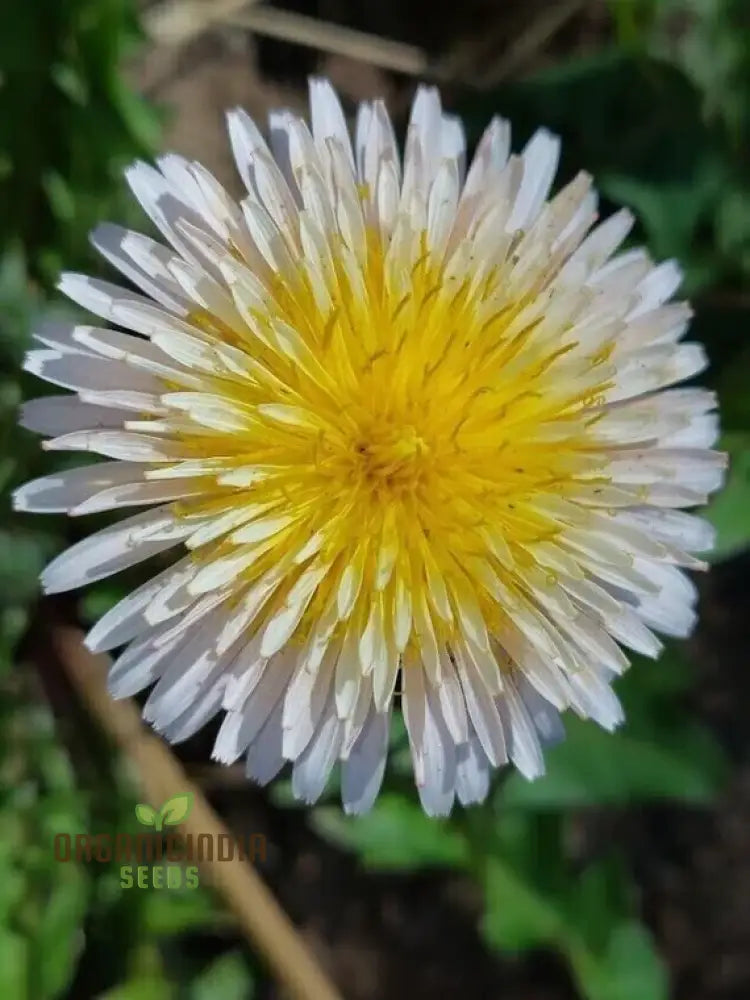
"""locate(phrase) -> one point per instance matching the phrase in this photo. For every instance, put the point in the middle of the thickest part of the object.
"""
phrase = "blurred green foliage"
(63, 76)
(69, 928)
(42, 902)
(660, 114)
(69, 123)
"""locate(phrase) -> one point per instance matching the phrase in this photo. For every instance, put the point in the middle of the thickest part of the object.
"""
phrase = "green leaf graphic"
(176, 809)
(145, 814)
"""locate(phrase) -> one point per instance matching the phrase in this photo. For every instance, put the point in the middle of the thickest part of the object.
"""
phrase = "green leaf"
(656, 136)
(138, 116)
(729, 511)
(709, 40)
(13, 965)
(395, 834)
(534, 898)
(180, 910)
(228, 977)
(61, 197)
(176, 809)
(671, 212)
(516, 916)
(59, 936)
(145, 814)
(13, 882)
(593, 767)
(659, 752)
(731, 382)
(70, 82)
(149, 987)
(629, 967)
(733, 223)
(594, 899)
(23, 554)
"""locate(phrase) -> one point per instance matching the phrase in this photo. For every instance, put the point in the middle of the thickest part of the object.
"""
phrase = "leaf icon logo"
(145, 814)
(175, 810)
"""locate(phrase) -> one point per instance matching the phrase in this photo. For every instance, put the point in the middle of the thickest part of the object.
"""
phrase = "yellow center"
(407, 415)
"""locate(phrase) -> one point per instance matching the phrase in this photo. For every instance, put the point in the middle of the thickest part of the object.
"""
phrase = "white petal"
(304, 703)
(490, 158)
(600, 244)
(414, 707)
(278, 128)
(265, 758)
(659, 285)
(125, 445)
(94, 295)
(65, 490)
(482, 710)
(597, 699)
(282, 625)
(113, 549)
(453, 142)
(164, 207)
(362, 771)
(312, 768)
(85, 372)
(202, 710)
(546, 718)
(424, 131)
(327, 116)
(141, 663)
(186, 674)
(126, 619)
(113, 242)
(137, 494)
(540, 157)
(348, 678)
(441, 208)
(263, 699)
(524, 748)
(452, 703)
(472, 772)
(173, 596)
(684, 530)
(437, 755)
(64, 414)
(246, 141)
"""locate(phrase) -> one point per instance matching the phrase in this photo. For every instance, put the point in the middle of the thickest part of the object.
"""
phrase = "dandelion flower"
(413, 433)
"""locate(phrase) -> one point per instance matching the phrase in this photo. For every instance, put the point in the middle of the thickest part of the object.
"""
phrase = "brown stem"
(264, 923)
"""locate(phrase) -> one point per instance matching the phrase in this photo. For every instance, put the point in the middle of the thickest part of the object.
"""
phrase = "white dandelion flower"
(415, 433)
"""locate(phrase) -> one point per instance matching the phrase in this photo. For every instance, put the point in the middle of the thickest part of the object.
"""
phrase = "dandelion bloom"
(415, 431)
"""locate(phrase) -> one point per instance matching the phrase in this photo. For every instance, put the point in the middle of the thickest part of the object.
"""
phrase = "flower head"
(415, 432)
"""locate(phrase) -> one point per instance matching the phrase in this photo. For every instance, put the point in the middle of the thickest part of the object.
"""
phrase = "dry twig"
(328, 37)
(174, 23)
(530, 42)
(266, 926)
